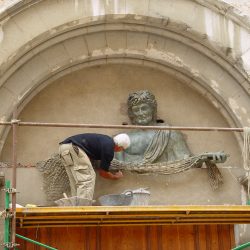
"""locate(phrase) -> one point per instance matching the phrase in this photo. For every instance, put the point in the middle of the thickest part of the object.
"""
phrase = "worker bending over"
(77, 150)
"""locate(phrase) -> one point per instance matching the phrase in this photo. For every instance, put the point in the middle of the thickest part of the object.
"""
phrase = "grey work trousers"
(79, 170)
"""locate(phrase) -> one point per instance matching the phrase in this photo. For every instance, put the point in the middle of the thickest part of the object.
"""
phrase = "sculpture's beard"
(142, 120)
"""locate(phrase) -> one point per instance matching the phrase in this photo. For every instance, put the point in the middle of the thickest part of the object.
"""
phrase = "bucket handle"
(128, 192)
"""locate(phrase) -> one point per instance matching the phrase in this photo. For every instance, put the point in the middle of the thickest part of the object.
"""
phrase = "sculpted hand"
(109, 175)
(216, 157)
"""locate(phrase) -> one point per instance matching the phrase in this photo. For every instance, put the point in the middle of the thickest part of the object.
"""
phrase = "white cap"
(122, 140)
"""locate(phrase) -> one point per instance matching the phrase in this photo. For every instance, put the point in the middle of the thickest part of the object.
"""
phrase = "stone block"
(13, 38)
(156, 42)
(116, 39)
(137, 41)
(7, 102)
(32, 70)
(154, 30)
(239, 103)
(96, 41)
(204, 65)
(55, 56)
(76, 47)
(20, 80)
(175, 47)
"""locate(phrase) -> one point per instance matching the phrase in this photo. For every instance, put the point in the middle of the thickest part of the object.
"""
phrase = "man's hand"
(215, 157)
(109, 175)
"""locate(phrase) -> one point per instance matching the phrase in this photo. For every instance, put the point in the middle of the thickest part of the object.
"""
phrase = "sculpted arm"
(179, 146)
(182, 151)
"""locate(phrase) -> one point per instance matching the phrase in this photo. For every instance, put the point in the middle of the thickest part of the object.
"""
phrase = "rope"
(165, 168)
(246, 155)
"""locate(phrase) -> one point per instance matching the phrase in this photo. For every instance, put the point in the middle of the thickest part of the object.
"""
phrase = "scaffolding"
(28, 217)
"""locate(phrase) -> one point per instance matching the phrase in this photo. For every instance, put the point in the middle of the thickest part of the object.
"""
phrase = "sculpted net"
(215, 176)
(55, 178)
(167, 168)
(159, 167)
(158, 145)
(154, 151)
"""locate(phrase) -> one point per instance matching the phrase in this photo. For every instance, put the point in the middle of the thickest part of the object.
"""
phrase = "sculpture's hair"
(141, 96)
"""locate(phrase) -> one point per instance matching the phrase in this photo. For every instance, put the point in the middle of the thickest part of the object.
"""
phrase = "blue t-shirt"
(96, 146)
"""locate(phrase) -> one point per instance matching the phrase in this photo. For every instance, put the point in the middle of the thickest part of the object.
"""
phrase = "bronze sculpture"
(160, 151)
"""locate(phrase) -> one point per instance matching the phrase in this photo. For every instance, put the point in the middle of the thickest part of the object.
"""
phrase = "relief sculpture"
(160, 151)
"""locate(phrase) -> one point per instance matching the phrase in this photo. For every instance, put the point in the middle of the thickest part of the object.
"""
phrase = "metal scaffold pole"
(111, 126)
(35, 242)
(7, 218)
(14, 165)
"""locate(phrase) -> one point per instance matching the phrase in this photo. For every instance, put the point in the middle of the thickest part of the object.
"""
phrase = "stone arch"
(149, 35)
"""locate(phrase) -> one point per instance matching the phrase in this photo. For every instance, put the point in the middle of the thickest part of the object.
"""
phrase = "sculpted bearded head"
(142, 108)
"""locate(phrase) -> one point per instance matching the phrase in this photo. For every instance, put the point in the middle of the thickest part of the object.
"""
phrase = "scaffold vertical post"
(7, 218)
(14, 165)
